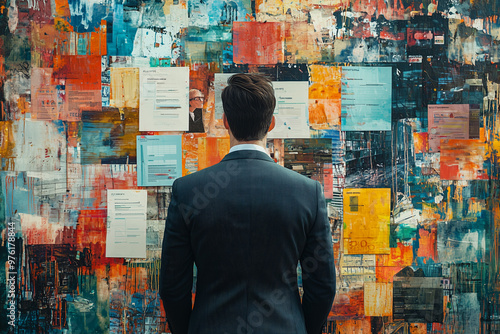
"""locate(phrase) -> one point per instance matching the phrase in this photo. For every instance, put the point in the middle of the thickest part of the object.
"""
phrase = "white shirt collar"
(241, 147)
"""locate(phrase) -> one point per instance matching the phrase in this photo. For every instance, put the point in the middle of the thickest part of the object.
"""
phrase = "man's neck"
(233, 142)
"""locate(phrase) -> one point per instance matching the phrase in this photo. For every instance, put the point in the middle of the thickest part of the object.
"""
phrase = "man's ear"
(273, 123)
(224, 119)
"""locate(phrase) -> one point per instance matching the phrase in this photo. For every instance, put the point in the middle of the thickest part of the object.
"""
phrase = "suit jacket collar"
(248, 154)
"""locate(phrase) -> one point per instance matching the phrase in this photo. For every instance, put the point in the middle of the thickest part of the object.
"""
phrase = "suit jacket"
(246, 223)
(197, 124)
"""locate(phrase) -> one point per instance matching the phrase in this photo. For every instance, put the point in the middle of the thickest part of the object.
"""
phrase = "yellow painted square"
(366, 220)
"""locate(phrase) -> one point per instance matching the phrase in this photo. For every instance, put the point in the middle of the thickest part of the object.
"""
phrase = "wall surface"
(396, 114)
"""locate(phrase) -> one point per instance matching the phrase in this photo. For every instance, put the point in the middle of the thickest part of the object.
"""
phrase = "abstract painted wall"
(391, 105)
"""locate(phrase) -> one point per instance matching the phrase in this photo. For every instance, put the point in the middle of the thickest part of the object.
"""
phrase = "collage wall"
(391, 105)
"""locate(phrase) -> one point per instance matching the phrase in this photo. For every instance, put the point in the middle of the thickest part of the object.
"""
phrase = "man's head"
(195, 99)
(248, 102)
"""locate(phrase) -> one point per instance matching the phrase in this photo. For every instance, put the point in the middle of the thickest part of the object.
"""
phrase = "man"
(246, 223)
(196, 111)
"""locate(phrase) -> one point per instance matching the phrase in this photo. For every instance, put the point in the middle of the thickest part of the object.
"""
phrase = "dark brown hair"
(248, 102)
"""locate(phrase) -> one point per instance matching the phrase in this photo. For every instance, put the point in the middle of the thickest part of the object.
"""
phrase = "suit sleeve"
(318, 269)
(176, 273)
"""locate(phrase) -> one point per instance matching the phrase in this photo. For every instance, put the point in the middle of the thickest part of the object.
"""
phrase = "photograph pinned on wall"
(201, 117)
(164, 99)
(196, 111)
(366, 98)
(159, 160)
(367, 220)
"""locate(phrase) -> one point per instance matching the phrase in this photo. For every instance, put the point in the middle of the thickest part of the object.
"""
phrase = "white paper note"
(126, 227)
(291, 113)
(164, 100)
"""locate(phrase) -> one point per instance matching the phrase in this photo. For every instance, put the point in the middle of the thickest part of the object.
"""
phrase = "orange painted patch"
(200, 76)
(81, 72)
(301, 43)
(324, 97)
(190, 152)
(386, 274)
(421, 142)
(347, 304)
(211, 150)
(463, 159)
(428, 244)
(353, 326)
(389, 265)
(62, 8)
(258, 42)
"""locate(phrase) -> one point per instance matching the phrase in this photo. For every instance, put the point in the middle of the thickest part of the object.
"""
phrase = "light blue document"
(159, 160)
(366, 98)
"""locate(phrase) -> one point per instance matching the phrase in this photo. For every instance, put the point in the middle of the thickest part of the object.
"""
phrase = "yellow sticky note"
(366, 220)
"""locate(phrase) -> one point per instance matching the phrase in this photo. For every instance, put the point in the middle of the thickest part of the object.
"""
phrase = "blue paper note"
(159, 160)
(366, 98)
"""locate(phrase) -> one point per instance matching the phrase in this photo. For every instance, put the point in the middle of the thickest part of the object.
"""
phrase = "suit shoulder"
(293, 176)
(196, 177)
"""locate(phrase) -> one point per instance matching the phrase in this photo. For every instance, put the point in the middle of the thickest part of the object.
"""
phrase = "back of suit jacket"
(246, 222)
